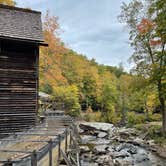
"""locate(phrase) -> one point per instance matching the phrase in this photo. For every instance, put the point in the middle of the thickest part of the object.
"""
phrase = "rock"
(161, 151)
(141, 157)
(121, 154)
(87, 138)
(121, 162)
(132, 150)
(127, 147)
(151, 142)
(105, 160)
(100, 149)
(102, 135)
(100, 141)
(97, 126)
(123, 146)
(84, 149)
(138, 141)
(112, 132)
(81, 131)
(131, 131)
(93, 164)
(110, 149)
(89, 163)
(116, 163)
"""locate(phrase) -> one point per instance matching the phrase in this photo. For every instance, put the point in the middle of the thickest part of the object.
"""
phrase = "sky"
(89, 27)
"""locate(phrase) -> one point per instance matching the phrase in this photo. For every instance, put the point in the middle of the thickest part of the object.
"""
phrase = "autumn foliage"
(81, 84)
(147, 26)
(7, 2)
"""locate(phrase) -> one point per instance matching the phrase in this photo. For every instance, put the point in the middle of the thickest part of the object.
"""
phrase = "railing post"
(59, 149)
(34, 158)
(8, 163)
(70, 136)
(50, 152)
(66, 142)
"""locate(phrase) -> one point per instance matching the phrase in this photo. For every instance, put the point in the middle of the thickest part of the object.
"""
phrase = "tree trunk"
(123, 120)
(146, 111)
(163, 110)
(162, 106)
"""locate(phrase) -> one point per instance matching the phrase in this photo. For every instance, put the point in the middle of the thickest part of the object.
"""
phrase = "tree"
(69, 97)
(50, 57)
(146, 21)
(124, 89)
(89, 89)
(8, 2)
(143, 96)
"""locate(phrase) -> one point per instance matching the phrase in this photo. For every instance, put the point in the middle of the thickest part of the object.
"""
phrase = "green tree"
(67, 96)
(89, 89)
(147, 36)
(124, 92)
(143, 96)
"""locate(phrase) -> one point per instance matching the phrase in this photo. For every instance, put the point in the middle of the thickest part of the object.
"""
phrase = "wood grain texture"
(18, 86)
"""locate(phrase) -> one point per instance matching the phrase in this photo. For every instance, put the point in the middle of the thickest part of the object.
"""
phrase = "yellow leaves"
(66, 90)
(152, 100)
(50, 57)
(7, 2)
(68, 95)
(125, 83)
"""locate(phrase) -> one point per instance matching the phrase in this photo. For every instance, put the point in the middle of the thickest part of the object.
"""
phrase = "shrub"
(140, 127)
(47, 88)
(154, 117)
(91, 116)
(111, 116)
(134, 118)
(154, 131)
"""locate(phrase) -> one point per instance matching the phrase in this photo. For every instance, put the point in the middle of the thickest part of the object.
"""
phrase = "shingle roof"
(20, 23)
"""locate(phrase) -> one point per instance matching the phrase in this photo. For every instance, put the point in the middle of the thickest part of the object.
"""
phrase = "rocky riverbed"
(104, 144)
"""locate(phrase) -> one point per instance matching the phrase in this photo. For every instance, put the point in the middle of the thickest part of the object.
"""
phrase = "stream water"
(98, 149)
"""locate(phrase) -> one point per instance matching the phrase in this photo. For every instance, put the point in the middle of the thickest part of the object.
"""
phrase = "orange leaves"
(154, 42)
(145, 26)
(51, 34)
(50, 57)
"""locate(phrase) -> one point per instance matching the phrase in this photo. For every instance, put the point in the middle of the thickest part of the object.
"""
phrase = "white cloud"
(90, 27)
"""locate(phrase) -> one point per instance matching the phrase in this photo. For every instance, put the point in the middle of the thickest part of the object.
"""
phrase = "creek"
(103, 144)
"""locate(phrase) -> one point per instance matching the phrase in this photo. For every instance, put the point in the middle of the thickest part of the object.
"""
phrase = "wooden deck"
(43, 145)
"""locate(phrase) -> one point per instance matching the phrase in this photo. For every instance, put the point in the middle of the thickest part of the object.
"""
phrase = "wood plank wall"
(18, 88)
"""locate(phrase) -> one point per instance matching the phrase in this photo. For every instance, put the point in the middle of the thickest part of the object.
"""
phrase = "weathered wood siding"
(18, 85)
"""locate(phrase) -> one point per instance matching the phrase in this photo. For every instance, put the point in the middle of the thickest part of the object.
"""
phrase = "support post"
(34, 158)
(50, 152)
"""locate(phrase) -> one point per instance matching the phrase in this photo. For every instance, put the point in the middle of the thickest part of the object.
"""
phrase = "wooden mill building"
(20, 38)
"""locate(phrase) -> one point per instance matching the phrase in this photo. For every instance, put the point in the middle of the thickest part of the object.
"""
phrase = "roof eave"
(39, 42)
(19, 9)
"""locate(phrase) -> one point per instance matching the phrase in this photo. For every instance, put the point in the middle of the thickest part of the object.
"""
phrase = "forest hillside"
(98, 92)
